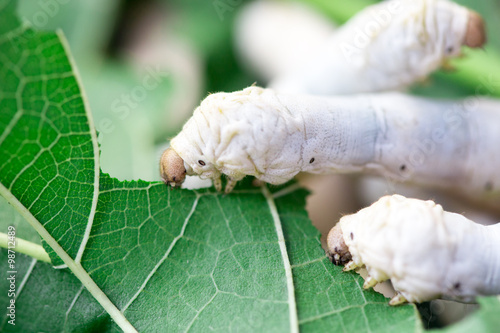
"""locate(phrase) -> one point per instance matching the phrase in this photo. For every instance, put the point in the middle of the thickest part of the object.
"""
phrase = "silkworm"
(387, 46)
(273, 137)
(426, 252)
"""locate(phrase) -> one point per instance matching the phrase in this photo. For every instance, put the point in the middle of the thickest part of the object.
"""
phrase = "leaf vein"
(77, 295)
(165, 256)
(294, 324)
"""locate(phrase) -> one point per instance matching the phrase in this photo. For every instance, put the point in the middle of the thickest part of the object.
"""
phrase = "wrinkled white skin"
(387, 46)
(426, 252)
(274, 136)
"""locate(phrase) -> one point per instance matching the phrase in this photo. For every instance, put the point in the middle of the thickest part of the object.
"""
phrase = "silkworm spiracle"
(426, 252)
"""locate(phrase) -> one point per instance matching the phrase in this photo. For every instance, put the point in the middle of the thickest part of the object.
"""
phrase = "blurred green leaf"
(86, 24)
(131, 112)
(338, 10)
(486, 319)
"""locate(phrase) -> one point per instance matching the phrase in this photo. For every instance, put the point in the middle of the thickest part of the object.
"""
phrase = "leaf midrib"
(293, 315)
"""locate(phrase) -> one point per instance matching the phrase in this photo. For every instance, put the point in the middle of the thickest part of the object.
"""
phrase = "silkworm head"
(337, 249)
(475, 35)
(172, 168)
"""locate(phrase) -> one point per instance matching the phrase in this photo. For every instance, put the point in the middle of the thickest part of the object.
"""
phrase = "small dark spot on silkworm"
(330, 256)
(488, 186)
(352, 236)
(402, 167)
(457, 286)
(312, 160)
(201, 162)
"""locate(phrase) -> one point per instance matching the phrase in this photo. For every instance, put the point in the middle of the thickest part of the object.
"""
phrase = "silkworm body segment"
(426, 252)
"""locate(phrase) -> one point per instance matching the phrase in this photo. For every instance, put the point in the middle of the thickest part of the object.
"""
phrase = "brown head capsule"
(475, 36)
(172, 168)
(337, 249)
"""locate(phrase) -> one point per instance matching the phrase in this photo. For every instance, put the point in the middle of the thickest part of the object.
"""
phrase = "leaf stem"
(25, 247)
(75, 267)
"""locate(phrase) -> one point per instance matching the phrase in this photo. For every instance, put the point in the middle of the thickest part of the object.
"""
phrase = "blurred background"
(145, 66)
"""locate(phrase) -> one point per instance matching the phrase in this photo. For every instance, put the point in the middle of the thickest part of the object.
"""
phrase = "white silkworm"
(387, 46)
(426, 252)
(274, 136)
